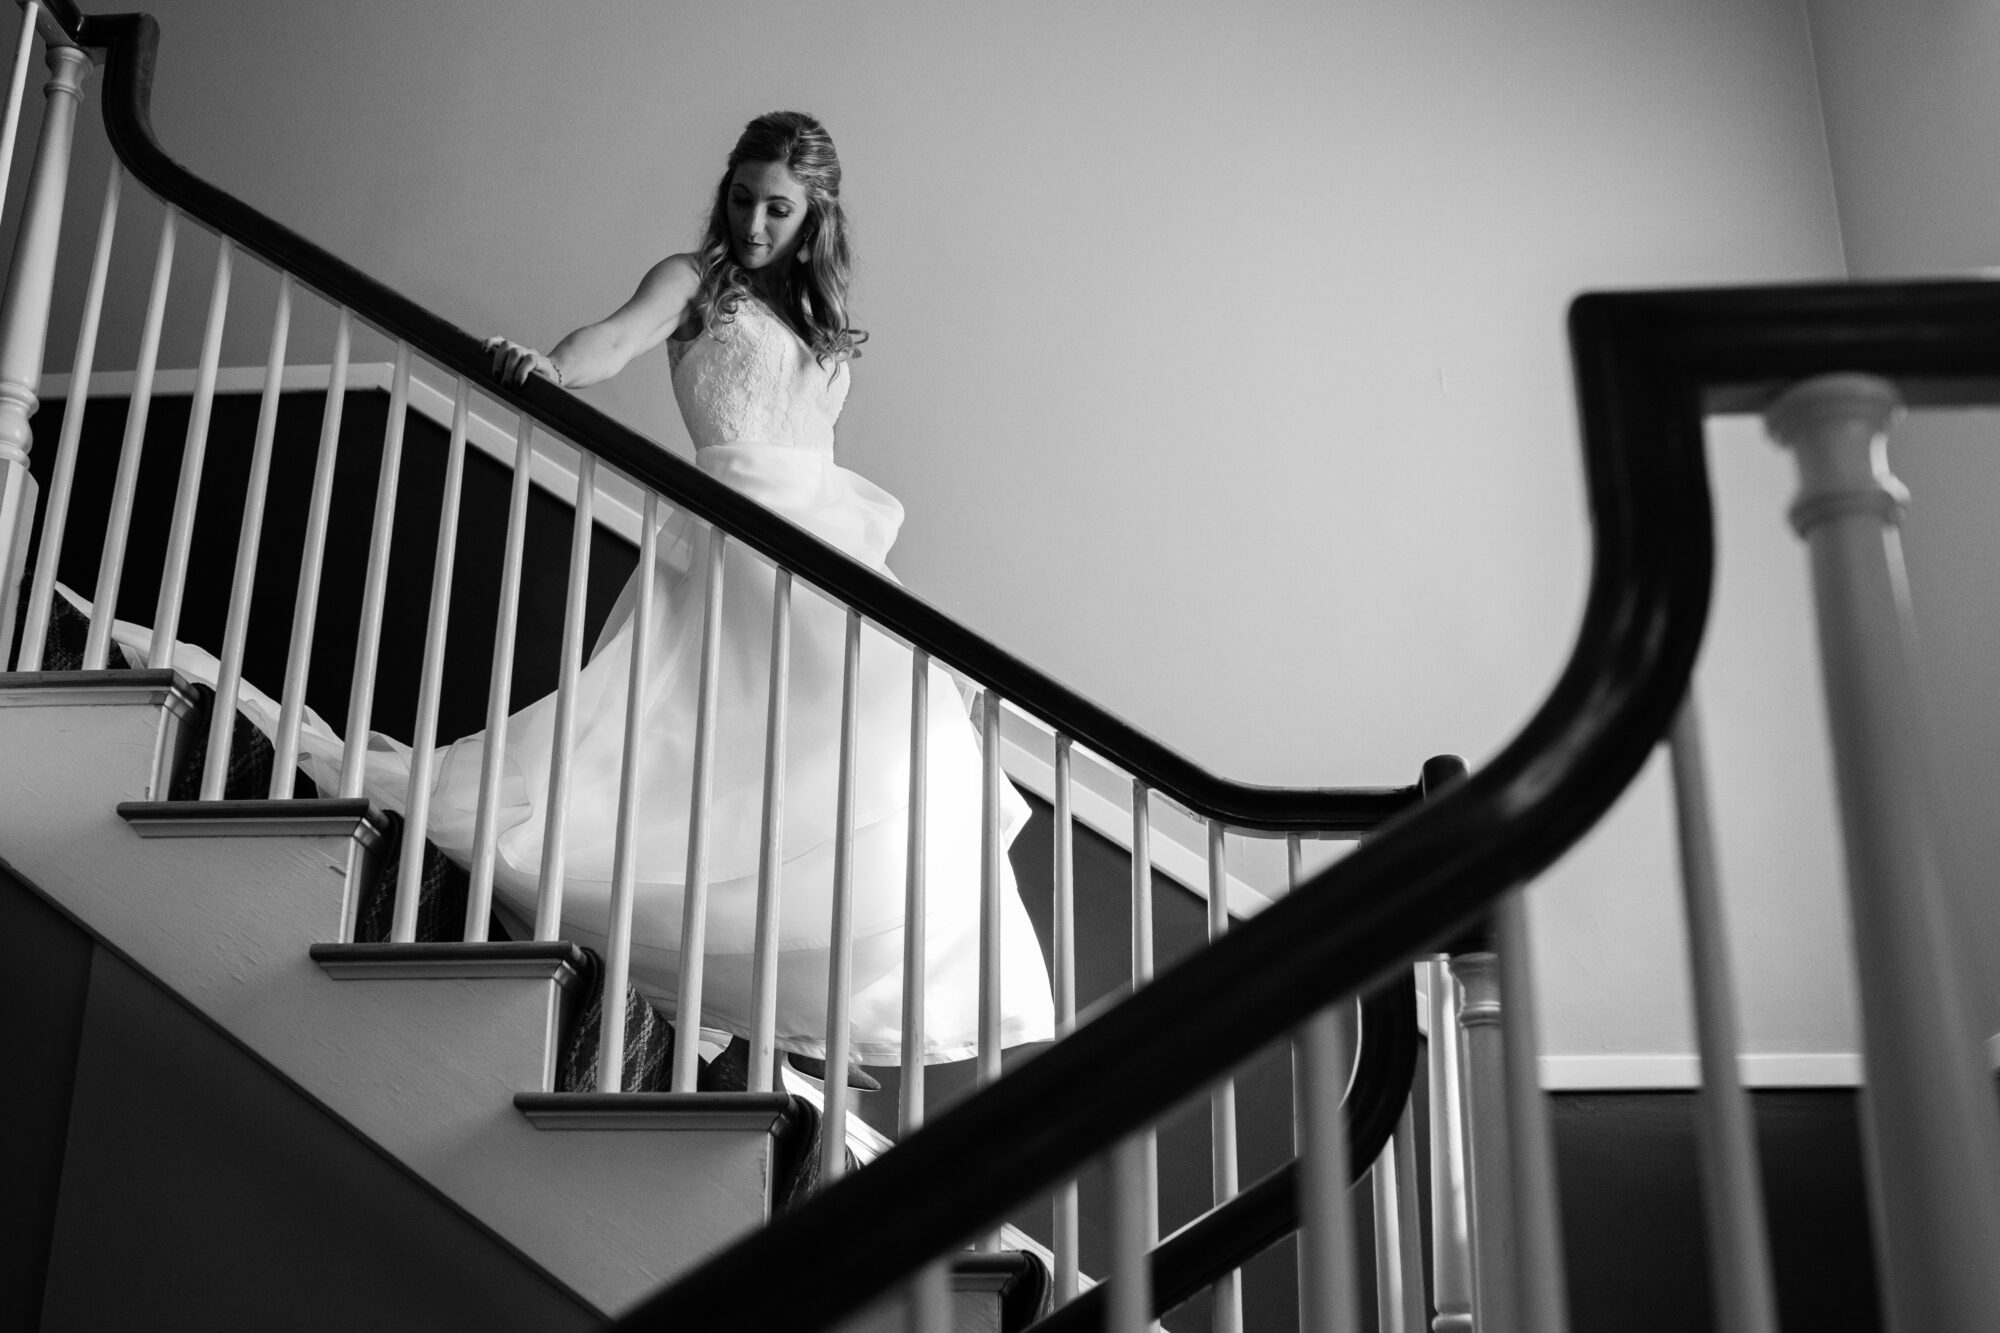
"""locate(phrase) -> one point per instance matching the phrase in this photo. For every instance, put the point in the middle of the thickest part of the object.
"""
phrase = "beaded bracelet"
(556, 370)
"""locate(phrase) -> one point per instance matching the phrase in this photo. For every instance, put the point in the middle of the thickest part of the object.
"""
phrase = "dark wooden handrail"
(1228, 1236)
(1646, 364)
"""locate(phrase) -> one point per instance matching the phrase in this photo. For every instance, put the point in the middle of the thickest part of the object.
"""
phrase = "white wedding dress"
(761, 411)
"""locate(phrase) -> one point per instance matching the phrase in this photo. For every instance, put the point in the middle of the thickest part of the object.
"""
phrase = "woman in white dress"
(755, 323)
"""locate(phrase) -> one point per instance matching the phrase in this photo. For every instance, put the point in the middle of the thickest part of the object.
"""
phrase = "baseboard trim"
(1611, 1073)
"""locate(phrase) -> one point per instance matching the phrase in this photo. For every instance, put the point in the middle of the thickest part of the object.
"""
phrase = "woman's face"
(767, 214)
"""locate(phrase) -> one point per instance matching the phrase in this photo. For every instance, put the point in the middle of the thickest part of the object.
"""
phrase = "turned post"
(1931, 1132)
(24, 318)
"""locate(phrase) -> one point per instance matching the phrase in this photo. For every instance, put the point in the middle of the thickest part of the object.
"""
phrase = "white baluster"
(55, 514)
(499, 690)
(694, 894)
(1068, 1270)
(24, 313)
(111, 563)
(910, 1107)
(930, 1290)
(991, 850)
(771, 844)
(1142, 886)
(555, 828)
(1329, 1276)
(17, 85)
(243, 581)
(1932, 1137)
(375, 583)
(180, 531)
(930, 1299)
(1543, 1299)
(840, 961)
(1451, 1237)
(430, 680)
(1129, 1303)
(1227, 1293)
(1489, 1165)
(1739, 1254)
(1322, 1059)
(624, 851)
(1409, 1220)
(1146, 1143)
(1385, 1189)
(305, 605)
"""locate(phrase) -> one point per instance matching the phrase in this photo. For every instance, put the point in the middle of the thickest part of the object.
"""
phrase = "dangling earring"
(805, 255)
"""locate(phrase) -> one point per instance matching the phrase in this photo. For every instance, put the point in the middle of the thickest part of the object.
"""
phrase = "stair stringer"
(426, 1069)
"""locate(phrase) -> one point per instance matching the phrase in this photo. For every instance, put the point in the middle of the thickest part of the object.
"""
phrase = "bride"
(755, 324)
(757, 338)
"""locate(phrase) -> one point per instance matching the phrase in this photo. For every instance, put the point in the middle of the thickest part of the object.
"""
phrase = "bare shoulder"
(676, 275)
(671, 285)
(660, 305)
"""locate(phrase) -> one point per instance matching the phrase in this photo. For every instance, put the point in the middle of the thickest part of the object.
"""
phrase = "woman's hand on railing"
(513, 362)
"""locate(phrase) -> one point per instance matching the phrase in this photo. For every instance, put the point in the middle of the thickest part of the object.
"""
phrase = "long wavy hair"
(814, 292)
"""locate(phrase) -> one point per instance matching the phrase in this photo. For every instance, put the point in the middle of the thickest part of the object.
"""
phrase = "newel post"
(24, 318)
(1930, 1123)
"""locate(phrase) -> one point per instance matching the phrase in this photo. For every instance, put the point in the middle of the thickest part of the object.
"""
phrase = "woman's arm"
(598, 351)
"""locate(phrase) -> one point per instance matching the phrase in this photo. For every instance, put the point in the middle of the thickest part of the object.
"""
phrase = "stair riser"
(145, 721)
(426, 1068)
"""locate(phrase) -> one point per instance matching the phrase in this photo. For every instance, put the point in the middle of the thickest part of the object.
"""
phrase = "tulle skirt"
(861, 519)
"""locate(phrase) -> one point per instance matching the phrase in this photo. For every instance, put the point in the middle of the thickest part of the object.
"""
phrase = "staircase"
(424, 1051)
(442, 1056)
(224, 903)
(661, 1208)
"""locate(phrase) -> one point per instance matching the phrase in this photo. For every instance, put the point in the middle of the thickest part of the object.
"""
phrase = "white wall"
(1217, 351)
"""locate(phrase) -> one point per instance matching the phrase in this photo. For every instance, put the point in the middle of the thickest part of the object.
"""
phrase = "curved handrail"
(1229, 1235)
(130, 43)
(1643, 362)
(1431, 872)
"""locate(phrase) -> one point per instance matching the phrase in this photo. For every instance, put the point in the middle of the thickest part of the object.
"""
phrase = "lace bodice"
(752, 380)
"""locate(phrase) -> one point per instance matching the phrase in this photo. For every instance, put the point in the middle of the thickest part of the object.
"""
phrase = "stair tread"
(109, 679)
(352, 807)
(555, 960)
(312, 816)
(657, 1110)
